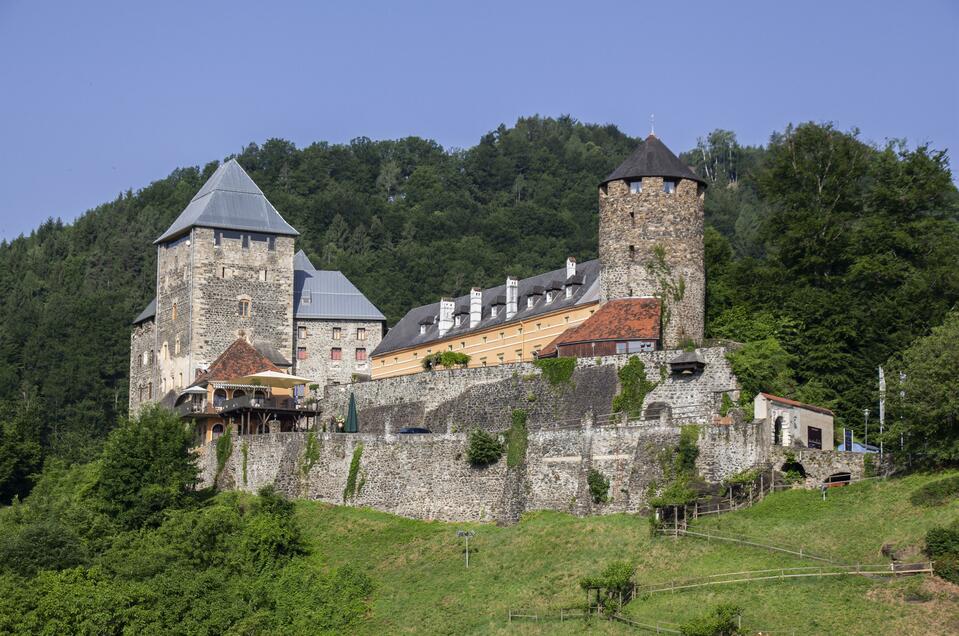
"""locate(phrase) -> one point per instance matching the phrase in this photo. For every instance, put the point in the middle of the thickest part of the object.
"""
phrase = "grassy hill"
(422, 585)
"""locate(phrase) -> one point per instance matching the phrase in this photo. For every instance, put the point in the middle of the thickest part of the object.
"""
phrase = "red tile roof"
(239, 359)
(622, 319)
(808, 407)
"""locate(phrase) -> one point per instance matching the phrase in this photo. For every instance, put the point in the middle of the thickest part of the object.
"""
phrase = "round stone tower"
(651, 238)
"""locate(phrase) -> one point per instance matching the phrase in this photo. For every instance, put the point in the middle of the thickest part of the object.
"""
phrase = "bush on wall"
(484, 449)
(635, 387)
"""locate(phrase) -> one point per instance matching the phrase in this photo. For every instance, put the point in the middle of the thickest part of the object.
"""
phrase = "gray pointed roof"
(652, 159)
(149, 312)
(327, 294)
(230, 200)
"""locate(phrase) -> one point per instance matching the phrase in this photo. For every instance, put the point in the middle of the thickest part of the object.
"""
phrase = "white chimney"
(446, 315)
(570, 266)
(512, 296)
(476, 306)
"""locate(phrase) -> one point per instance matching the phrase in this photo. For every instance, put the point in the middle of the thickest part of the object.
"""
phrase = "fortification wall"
(484, 397)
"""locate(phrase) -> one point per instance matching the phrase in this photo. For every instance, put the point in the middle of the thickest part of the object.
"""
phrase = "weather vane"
(652, 124)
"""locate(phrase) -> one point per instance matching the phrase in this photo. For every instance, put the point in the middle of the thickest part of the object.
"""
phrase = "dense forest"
(826, 255)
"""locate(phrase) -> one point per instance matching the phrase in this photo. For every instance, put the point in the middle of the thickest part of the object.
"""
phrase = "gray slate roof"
(149, 312)
(406, 333)
(652, 159)
(230, 200)
(328, 294)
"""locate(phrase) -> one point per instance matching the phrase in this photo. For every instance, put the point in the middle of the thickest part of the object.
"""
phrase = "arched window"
(219, 397)
(259, 394)
(778, 431)
(217, 430)
(238, 393)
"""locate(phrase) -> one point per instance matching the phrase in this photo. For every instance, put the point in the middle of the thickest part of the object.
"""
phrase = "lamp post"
(865, 413)
(466, 534)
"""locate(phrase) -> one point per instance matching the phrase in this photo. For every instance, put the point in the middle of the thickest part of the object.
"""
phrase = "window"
(262, 275)
(632, 252)
(301, 332)
(174, 311)
(549, 296)
(217, 238)
(633, 346)
(500, 357)
(529, 301)
(493, 311)
(814, 436)
(301, 353)
(632, 219)
(519, 355)
(244, 308)
(569, 291)
(336, 353)
(166, 351)
(422, 329)
(361, 355)
(361, 333)
(502, 335)
(636, 186)
(246, 241)
(306, 299)
(449, 347)
(539, 326)
(179, 380)
(484, 339)
(337, 333)
(271, 243)
(149, 390)
(222, 272)
(457, 320)
(462, 345)
(669, 186)
(483, 361)
(176, 346)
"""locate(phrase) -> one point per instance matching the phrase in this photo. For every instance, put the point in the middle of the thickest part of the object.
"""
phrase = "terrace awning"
(274, 379)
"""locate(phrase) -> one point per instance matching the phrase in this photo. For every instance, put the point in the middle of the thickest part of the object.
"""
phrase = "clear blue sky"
(99, 97)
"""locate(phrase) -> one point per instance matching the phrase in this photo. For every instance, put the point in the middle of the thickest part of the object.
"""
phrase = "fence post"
(510, 615)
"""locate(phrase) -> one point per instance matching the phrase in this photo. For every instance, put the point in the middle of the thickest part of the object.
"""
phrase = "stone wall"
(484, 397)
(316, 337)
(820, 464)
(142, 361)
(227, 273)
(632, 227)
(173, 311)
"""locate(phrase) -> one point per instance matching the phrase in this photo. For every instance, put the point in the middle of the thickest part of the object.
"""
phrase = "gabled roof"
(652, 159)
(149, 312)
(327, 294)
(620, 319)
(801, 405)
(238, 360)
(406, 333)
(230, 200)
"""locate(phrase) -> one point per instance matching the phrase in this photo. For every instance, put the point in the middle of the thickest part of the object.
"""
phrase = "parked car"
(414, 430)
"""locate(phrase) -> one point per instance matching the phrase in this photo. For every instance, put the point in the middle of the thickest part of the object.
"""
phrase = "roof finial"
(652, 125)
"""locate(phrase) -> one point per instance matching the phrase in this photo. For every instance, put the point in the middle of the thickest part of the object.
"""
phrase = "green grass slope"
(422, 585)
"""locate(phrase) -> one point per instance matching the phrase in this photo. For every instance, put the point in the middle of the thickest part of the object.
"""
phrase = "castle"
(249, 339)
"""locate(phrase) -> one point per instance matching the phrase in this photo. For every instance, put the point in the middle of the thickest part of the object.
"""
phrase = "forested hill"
(830, 253)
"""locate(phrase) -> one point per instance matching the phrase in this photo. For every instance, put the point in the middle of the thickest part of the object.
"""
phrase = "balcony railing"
(190, 408)
(265, 403)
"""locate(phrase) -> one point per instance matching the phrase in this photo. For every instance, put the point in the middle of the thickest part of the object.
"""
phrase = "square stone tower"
(651, 238)
(224, 271)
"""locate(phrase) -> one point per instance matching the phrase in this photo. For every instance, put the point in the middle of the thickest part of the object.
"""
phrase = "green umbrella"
(352, 422)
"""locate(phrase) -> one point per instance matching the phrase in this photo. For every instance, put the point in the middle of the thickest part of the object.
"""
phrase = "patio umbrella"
(352, 422)
(274, 379)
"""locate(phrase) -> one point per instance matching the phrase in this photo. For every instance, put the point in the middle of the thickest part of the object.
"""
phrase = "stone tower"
(224, 271)
(651, 238)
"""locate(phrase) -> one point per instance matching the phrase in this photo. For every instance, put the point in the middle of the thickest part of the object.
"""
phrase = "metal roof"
(149, 312)
(652, 159)
(230, 200)
(406, 333)
(326, 294)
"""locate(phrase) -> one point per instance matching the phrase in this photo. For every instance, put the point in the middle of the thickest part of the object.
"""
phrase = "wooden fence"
(802, 553)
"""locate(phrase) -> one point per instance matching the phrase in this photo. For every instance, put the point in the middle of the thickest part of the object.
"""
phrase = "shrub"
(688, 450)
(635, 387)
(445, 359)
(349, 492)
(311, 454)
(614, 581)
(722, 620)
(224, 448)
(598, 486)
(726, 406)
(516, 439)
(677, 493)
(557, 370)
(942, 541)
(947, 567)
(484, 449)
(936, 493)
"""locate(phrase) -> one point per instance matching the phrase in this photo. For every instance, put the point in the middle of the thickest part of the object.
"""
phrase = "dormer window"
(529, 302)
(669, 186)
(569, 291)
(494, 310)
(635, 187)
(549, 296)
(422, 329)
(458, 320)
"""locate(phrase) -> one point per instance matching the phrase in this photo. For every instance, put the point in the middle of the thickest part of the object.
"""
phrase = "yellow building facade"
(514, 341)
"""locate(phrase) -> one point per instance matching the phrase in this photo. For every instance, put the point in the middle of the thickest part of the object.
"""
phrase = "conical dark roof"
(652, 159)
(230, 200)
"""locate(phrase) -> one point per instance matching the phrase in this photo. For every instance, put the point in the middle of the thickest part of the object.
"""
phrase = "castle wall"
(227, 273)
(649, 221)
(142, 340)
(484, 397)
(174, 283)
(319, 341)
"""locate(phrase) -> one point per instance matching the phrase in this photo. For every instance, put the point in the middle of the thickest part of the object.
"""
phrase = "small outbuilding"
(625, 325)
(792, 423)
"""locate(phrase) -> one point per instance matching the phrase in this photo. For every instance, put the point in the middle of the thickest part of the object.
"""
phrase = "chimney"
(570, 266)
(446, 315)
(476, 306)
(512, 296)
